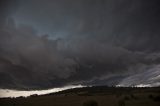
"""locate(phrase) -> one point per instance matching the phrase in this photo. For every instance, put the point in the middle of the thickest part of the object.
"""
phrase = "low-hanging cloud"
(103, 42)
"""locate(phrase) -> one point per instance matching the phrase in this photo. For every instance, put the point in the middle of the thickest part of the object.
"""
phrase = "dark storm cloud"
(97, 42)
(26, 57)
(6, 9)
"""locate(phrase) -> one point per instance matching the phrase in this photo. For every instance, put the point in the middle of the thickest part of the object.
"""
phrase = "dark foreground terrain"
(91, 96)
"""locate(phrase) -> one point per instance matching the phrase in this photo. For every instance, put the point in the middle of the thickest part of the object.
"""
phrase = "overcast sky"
(54, 43)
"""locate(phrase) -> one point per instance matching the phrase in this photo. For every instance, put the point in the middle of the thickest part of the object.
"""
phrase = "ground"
(94, 96)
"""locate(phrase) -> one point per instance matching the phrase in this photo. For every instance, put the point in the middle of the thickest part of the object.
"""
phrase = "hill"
(91, 96)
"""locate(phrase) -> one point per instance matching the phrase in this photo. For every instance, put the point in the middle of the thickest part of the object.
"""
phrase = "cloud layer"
(88, 42)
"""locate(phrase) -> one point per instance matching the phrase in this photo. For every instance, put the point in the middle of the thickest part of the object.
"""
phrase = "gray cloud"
(91, 42)
(148, 76)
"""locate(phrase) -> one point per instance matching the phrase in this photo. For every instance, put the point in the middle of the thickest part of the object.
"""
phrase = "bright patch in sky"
(16, 93)
(143, 85)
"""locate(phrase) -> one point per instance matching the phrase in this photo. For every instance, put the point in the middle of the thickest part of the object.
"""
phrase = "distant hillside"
(91, 96)
(103, 90)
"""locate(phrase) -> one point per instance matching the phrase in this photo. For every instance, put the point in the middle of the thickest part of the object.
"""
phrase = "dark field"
(94, 96)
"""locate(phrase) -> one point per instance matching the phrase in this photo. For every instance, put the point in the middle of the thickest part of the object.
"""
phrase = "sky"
(54, 43)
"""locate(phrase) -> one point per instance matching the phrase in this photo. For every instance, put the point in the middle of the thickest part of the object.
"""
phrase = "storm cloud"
(53, 43)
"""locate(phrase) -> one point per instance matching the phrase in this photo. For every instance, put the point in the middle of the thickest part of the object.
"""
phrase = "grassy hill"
(91, 96)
